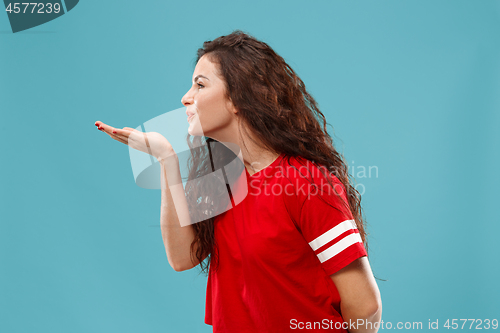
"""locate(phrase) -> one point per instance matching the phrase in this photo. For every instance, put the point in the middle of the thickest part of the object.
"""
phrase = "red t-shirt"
(277, 250)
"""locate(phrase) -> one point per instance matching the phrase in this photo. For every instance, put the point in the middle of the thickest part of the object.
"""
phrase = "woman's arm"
(360, 301)
(176, 238)
(177, 231)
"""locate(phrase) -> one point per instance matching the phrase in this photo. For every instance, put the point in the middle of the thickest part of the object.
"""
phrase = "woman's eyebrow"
(198, 76)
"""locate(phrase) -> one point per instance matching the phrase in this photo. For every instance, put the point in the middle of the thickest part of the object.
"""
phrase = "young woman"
(292, 254)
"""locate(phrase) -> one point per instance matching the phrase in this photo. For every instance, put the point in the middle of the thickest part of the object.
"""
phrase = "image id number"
(43, 8)
(477, 324)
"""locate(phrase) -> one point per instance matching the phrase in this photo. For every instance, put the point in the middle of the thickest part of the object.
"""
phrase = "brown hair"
(273, 103)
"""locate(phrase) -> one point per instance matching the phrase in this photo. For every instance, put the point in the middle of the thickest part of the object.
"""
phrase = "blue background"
(411, 87)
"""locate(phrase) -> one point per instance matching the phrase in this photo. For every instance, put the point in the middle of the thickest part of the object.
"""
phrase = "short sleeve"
(327, 224)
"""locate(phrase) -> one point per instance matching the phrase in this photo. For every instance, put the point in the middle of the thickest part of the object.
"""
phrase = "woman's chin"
(195, 129)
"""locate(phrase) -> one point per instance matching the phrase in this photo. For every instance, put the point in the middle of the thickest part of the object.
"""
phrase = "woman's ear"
(230, 106)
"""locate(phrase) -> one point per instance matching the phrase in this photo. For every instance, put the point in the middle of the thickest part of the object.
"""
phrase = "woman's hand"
(151, 143)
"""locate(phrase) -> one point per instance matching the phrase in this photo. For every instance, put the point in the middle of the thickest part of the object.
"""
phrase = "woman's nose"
(187, 99)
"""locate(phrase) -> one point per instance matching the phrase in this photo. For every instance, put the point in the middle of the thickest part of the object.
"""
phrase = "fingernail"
(114, 131)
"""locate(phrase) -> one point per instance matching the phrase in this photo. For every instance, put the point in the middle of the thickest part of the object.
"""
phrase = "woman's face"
(211, 112)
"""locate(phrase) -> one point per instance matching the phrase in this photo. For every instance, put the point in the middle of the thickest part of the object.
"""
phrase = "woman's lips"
(190, 115)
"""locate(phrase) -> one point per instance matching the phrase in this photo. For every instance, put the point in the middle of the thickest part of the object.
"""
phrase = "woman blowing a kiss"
(290, 255)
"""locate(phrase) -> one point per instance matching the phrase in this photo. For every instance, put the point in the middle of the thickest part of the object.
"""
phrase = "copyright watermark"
(328, 324)
(454, 324)
(313, 188)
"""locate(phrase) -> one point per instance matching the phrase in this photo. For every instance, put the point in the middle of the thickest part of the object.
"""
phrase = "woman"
(290, 255)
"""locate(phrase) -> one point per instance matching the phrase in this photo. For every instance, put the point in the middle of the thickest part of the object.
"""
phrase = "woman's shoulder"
(304, 180)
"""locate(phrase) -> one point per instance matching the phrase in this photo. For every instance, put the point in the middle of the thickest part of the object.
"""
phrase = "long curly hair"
(272, 101)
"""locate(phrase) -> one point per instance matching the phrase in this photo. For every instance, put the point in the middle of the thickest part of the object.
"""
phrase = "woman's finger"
(131, 129)
(125, 132)
(104, 127)
(109, 129)
(114, 134)
(122, 133)
(126, 135)
(99, 123)
(117, 138)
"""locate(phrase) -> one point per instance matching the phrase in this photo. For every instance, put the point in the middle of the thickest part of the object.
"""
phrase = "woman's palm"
(152, 143)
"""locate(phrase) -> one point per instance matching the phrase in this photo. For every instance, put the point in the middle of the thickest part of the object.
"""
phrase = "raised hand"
(152, 143)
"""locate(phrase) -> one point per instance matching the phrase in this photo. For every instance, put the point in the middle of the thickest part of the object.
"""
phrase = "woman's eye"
(200, 85)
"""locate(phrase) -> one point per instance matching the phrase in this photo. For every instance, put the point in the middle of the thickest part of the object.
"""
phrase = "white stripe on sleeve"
(332, 234)
(338, 247)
